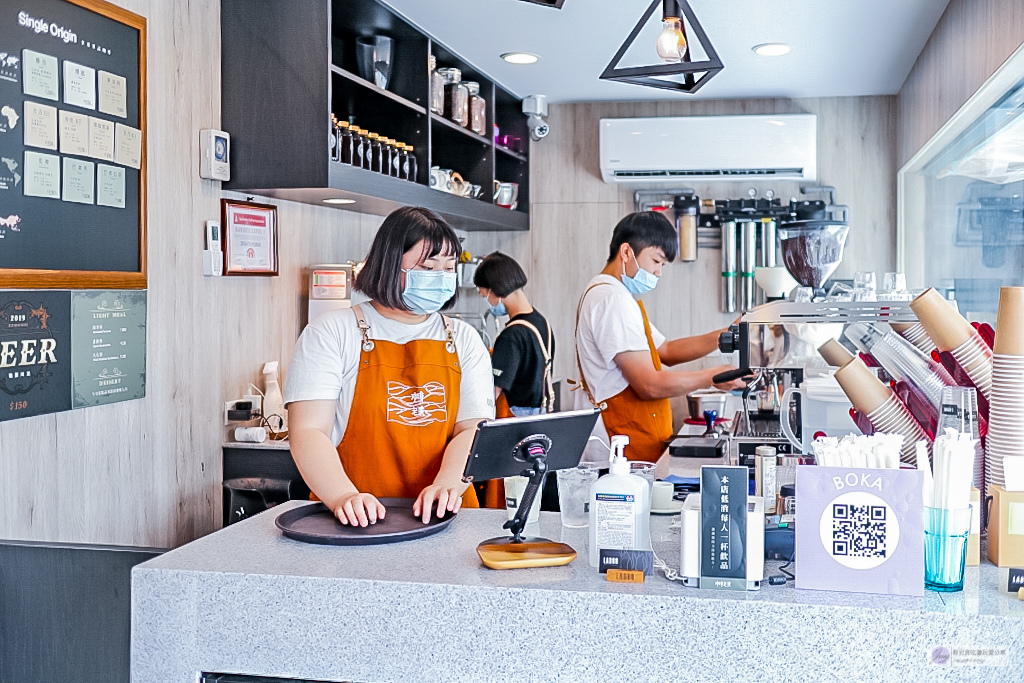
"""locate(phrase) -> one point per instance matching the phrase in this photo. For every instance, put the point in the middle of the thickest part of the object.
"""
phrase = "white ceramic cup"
(661, 495)
(514, 489)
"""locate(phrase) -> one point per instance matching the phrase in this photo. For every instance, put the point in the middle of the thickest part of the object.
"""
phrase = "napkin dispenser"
(690, 542)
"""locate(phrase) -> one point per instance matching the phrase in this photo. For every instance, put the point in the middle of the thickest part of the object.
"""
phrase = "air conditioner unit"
(680, 148)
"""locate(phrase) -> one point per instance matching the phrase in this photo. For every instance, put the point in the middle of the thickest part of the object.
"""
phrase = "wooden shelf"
(379, 194)
(465, 131)
(259, 54)
(507, 152)
(380, 91)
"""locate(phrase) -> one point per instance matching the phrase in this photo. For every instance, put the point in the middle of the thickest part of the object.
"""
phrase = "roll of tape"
(253, 434)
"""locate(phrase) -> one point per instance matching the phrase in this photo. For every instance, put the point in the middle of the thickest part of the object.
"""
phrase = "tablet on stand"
(530, 447)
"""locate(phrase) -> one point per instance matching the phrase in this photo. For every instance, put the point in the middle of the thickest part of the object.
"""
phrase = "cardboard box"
(1006, 527)
(974, 540)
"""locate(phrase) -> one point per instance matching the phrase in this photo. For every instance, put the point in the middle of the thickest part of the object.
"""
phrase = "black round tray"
(316, 524)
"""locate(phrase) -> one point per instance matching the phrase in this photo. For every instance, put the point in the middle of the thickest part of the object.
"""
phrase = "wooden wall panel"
(971, 40)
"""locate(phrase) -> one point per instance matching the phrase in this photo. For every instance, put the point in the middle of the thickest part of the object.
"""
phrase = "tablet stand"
(520, 551)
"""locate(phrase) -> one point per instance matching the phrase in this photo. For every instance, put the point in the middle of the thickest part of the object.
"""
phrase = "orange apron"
(403, 414)
(494, 489)
(648, 424)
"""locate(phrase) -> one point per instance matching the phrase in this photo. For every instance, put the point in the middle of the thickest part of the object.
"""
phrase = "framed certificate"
(250, 237)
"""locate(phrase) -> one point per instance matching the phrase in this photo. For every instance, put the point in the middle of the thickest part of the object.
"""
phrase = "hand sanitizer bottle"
(619, 507)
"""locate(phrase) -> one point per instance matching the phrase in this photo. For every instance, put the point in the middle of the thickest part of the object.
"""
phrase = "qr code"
(858, 530)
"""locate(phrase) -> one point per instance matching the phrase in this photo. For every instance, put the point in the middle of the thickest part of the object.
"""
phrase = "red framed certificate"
(250, 237)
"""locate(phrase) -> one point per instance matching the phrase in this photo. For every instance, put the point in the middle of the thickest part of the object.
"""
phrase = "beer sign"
(35, 353)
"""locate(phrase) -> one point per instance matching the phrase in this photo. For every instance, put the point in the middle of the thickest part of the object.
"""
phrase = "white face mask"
(641, 283)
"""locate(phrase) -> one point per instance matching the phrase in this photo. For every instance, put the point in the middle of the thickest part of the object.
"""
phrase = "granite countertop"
(248, 600)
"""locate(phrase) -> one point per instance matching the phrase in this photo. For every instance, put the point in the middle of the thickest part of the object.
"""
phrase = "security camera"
(536, 108)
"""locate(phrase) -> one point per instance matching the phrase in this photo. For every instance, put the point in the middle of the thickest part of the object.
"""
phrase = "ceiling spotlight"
(771, 49)
(520, 57)
(338, 200)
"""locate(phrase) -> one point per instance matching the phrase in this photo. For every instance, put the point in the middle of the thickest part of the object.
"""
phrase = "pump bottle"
(273, 401)
(620, 506)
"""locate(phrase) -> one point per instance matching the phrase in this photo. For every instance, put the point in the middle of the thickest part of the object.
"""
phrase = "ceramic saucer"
(674, 509)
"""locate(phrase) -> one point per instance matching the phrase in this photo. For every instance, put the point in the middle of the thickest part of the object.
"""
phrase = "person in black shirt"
(523, 352)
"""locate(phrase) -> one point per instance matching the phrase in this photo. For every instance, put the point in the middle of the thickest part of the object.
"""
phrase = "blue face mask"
(499, 309)
(426, 291)
(641, 283)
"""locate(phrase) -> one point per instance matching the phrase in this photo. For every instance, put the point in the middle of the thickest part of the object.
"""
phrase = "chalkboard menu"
(72, 145)
(61, 350)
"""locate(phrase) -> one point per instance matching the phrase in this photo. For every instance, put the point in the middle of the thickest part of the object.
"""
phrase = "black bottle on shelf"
(376, 153)
(335, 143)
(346, 138)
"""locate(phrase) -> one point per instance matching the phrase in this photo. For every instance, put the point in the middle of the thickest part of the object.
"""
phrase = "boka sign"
(859, 530)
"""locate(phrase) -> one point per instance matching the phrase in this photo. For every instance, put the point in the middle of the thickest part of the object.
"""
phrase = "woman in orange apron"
(394, 383)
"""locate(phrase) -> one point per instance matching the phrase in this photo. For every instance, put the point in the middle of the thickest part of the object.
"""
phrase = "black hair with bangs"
(644, 229)
(499, 273)
(381, 276)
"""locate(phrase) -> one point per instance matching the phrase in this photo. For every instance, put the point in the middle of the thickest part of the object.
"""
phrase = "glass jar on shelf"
(456, 96)
(436, 87)
(477, 109)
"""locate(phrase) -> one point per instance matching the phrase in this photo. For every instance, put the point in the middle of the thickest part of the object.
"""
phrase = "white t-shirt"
(326, 361)
(610, 323)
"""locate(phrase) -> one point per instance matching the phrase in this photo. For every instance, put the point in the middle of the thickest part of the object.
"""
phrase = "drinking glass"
(645, 470)
(864, 279)
(945, 548)
(574, 494)
(373, 55)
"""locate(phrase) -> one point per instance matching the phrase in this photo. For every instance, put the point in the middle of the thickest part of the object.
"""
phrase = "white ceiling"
(840, 47)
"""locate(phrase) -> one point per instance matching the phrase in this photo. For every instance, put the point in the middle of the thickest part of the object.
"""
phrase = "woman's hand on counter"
(359, 509)
(446, 496)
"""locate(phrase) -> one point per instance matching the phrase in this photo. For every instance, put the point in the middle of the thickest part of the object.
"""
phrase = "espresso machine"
(779, 343)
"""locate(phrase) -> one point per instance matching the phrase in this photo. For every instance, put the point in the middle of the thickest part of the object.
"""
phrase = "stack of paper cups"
(1006, 407)
(916, 335)
(887, 413)
(951, 332)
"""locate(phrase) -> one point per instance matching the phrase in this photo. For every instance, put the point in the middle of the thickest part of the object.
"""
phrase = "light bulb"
(671, 43)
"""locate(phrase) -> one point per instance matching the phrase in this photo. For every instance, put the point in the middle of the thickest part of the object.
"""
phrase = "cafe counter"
(246, 600)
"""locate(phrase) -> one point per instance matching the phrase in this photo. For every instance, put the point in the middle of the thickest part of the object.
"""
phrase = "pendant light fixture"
(673, 50)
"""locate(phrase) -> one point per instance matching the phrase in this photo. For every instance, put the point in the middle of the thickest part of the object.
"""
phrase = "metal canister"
(768, 244)
(729, 267)
(748, 258)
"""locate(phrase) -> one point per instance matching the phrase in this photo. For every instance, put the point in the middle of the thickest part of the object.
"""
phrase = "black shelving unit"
(281, 83)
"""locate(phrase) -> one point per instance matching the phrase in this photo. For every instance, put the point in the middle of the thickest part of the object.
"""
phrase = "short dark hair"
(381, 276)
(644, 229)
(499, 273)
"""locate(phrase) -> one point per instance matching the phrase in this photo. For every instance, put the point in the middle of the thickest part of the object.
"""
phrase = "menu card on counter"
(35, 353)
(723, 536)
(859, 530)
(108, 337)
